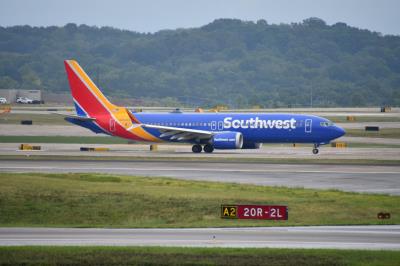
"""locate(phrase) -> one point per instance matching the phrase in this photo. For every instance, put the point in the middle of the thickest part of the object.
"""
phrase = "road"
(337, 237)
(357, 178)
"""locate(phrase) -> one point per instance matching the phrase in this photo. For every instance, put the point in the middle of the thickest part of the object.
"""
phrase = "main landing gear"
(197, 148)
(208, 148)
(315, 150)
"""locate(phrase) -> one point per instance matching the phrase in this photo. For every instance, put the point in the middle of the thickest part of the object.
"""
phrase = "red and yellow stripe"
(96, 105)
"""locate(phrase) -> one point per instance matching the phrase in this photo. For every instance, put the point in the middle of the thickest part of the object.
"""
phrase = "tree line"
(229, 61)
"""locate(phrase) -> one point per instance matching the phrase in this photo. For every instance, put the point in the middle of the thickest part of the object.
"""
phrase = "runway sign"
(229, 211)
(262, 212)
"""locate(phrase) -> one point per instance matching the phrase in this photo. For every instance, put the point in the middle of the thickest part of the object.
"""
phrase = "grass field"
(191, 256)
(94, 200)
(382, 133)
(40, 119)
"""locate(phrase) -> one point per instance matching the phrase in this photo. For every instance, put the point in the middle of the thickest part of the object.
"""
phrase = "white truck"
(24, 100)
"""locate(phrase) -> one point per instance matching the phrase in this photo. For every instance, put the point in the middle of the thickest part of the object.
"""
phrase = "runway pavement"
(168, 151)
(337, 237)
(357, 178)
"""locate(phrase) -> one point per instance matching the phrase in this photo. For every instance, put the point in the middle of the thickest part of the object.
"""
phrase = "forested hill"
(228, 61)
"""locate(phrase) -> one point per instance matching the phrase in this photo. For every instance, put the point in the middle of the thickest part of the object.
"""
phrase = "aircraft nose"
(339, 132)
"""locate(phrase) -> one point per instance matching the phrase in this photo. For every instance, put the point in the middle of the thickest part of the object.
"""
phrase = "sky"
(154, 15)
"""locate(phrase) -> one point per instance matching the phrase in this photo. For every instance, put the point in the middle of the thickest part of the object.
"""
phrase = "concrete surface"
(337, 237)
(184, 151)
(357, 178)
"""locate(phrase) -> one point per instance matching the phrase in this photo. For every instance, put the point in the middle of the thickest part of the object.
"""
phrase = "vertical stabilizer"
(88, 99)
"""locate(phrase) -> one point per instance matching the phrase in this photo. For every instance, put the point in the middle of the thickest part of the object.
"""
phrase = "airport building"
(12, 95)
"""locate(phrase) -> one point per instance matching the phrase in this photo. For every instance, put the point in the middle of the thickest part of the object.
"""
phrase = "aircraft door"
(213, 125)
(112, 125)
(308, 125)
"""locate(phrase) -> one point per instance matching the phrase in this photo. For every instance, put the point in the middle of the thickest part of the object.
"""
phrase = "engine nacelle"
(251, 145)
(228, 140)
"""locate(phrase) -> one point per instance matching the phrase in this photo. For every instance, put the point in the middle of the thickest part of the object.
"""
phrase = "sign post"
(260, 212)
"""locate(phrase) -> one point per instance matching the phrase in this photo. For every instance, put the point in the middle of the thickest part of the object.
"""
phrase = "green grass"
(63, 139)
(37, 119)
(382, 133)
(94, 200)
(191, 256)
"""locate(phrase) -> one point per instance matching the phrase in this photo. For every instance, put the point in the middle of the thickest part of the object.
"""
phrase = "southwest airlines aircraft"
(206, 131)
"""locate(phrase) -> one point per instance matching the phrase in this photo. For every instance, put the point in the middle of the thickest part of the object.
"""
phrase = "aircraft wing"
(77, 117)
(176, 133)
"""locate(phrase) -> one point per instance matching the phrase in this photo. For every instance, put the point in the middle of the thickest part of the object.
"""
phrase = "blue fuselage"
(255, 127)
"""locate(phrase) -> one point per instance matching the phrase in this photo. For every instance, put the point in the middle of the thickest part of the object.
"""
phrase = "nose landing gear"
(315, 150)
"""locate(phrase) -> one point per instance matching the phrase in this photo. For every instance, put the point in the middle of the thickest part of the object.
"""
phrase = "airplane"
(205, 131)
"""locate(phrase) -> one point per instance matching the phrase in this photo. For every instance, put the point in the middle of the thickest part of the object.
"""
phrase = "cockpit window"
(326, 124)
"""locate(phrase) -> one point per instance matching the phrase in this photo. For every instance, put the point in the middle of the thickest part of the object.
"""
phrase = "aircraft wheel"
(197, 148)
(315, 151)
(208, 148)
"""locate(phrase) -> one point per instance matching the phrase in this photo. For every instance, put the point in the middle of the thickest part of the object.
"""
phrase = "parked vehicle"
(24, 100)
(3, 100)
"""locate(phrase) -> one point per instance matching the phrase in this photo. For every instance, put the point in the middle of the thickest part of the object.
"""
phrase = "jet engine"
(251, 145)
(227, 140)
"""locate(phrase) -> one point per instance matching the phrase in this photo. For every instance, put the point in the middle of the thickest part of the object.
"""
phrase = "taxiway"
(355, 178)
(337, 237)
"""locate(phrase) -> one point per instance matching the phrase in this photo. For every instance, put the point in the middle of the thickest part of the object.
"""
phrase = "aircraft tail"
(88, 99)
(105, 117)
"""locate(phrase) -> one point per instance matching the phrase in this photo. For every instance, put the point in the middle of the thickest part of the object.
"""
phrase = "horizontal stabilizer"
(77, 117)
